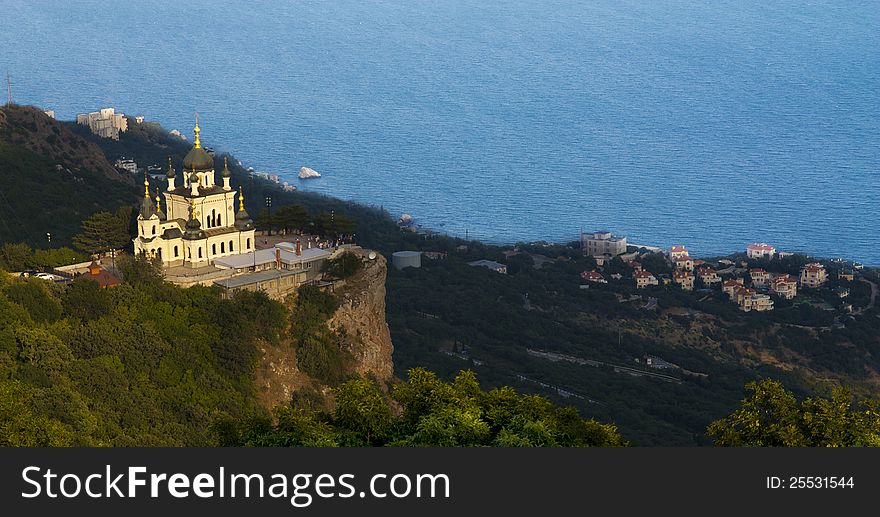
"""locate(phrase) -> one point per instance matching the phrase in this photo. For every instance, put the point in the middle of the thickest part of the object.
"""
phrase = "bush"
(343, 266)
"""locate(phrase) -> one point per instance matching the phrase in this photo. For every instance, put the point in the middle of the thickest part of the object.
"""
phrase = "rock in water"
(307, 173)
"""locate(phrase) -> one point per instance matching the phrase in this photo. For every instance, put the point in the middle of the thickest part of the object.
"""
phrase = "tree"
(34, 295)
(20, 427)
(773, 417)
(265, 222)
(655, 263)
(434, 413)
(15, 257)
(291, 218)
(331, 224)
(141, 270)
(362, 410)
(617, 266)
(343, 266)
(102, 232)
(57, 257)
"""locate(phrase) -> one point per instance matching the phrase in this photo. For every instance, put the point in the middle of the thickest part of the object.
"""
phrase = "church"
(200, 222)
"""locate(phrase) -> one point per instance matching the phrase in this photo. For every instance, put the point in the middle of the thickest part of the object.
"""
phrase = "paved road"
(874, 291)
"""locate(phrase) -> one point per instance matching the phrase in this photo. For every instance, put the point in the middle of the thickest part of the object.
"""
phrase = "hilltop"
(52, 179)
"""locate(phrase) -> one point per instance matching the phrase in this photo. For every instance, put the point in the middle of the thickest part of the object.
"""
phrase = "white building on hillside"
(759, 250)
(603, 243)
(105, 123)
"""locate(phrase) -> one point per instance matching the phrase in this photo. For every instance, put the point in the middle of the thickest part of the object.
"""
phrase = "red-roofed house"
(741, 293)
(813, 275)
(784, 286)
(729, 287)
(635, 265)
(593, 276)
(644, 279)
(103, 277)
(758, 250)
(684, 278)
(708, 276)
(759, 277)
(678, 251)
(684, 262)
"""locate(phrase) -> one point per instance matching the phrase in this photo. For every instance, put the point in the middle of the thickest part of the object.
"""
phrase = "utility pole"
(8, 90)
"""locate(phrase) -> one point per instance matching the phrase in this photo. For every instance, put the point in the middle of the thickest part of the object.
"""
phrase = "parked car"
(25, 274)
(47, 276)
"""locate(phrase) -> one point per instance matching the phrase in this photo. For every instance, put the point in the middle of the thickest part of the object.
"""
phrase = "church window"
(175, 251)
(154, 229)
(218, 220)
(222, 247)
(230, 247)
(213, 249)
(200, 252)
(248, 244)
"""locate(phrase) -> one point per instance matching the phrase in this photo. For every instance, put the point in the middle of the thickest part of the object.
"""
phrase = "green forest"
(151, 364)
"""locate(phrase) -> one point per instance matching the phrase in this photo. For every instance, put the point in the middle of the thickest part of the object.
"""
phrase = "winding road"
(874, 291)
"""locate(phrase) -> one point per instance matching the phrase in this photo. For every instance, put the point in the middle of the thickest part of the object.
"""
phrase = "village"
(750, 287)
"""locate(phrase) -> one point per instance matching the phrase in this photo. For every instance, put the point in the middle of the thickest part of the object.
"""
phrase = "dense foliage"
(103, 231)
(148, 363)
(433, 413)
(21, 257)
(144, 363)
(773, 417)
(343, 266)
(320, 352)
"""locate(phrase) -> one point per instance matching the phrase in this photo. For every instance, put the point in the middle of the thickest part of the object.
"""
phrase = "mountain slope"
(52, 179)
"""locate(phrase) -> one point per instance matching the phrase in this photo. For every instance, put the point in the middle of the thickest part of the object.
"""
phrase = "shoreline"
(292, 185)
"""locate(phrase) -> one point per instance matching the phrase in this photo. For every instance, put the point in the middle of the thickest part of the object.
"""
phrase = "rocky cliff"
(361, 316)
(364, 334)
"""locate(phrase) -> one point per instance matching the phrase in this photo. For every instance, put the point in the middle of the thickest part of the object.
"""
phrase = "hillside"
(52, 179)
(147, 363)
(537, 330)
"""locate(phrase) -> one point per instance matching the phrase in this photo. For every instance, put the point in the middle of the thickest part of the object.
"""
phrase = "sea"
(711, 124)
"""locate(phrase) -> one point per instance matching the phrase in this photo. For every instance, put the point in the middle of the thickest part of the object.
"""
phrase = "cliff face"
(359, 319)
(361, 316)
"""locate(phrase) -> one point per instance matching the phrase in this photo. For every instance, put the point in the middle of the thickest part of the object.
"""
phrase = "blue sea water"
(710, 124)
